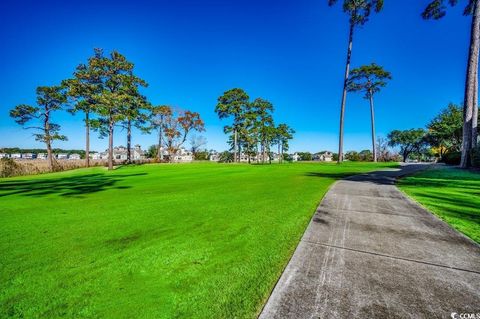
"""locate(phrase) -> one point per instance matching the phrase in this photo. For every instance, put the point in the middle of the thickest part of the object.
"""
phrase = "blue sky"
(289, 52)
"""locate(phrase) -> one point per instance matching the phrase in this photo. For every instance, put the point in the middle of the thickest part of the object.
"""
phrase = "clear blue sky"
(289, 52)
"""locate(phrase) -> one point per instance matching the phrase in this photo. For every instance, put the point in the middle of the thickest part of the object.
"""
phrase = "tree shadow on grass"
(333, 175)
(74, 186)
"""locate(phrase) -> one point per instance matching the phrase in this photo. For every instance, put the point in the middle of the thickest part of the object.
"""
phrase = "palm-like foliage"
(369, 79)
(359, 12)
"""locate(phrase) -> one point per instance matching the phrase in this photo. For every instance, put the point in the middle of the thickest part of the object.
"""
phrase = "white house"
(16, 155)
(295, 157)
(74, 156)
(28, 156)
(120, 153)
(323, 157)
(327, 156)
(214, 156)
(96, 156)
(62, 156)
(42, 156)
(4, 155)
(183, 155)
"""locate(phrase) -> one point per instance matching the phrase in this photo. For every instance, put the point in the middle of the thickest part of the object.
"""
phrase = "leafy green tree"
(226, 157)
(283, 134)
(369, 79)
(232, 104)
(49, 100)
(157, 121)
(352, 156)
(82, 91)
(305, 156)
(445, 130)
(135, 115)
(116, 82)
(436, 9)
(151, 151)
(249, 132)
(365, 155)
(359, 12)
(263, 110)
(409, 141)
(202, 155)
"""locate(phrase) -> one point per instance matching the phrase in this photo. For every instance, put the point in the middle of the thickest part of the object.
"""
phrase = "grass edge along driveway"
(452, 194)
(155, 241)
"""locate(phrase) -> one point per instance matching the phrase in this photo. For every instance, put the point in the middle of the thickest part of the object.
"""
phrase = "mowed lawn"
(155, 241)
(450, 193)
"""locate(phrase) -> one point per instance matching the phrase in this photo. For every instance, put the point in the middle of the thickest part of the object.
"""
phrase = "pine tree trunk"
(344, 95)
(87, 139)
(129, 142)
(110, 145)
(279, 157)
(235, 147)
(282, 154)
(160, 142)
(262, 150)
(470, 85)
(49, 155)
(475, 114)
(372, 115)
(48, 141)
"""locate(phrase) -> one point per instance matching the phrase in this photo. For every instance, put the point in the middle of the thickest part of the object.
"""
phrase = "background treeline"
(440, 140)
(107, 92)
(13, 150)
(252, 131)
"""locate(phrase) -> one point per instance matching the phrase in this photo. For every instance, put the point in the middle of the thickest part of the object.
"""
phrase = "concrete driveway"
(370, 252)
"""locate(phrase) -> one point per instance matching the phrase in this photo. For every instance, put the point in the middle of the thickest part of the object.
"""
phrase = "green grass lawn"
(450, 193)
(155, 241)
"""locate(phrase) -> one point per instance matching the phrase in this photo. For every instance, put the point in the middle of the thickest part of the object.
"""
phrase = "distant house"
(244, 158)
(327, 157)
(29, 156)
(42, 156)
(16, 155)
(138, 153)
(214, 156)
(74, 156)
(61, 156)
(323, 156)
(183, 155)
(120, 153)
(276, 157)
(96, 156)
(4, 155)
(295, 157)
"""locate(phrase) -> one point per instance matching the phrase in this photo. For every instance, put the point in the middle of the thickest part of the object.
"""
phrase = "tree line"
(107, 92)
(252, 130)
(442, 138)
(359, 12)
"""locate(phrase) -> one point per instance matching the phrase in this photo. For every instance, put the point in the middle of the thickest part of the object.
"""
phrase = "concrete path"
(370, 252)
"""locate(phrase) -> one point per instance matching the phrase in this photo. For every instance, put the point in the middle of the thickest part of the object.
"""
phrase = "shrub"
(452, 158)
(9, 168)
